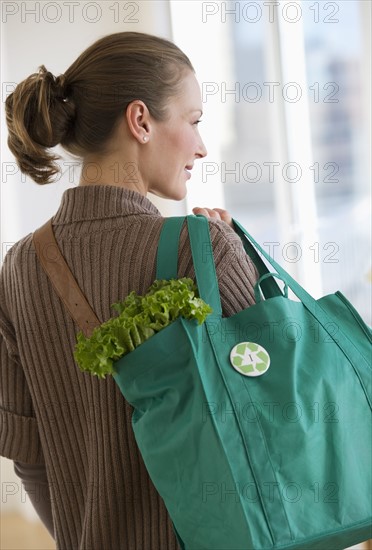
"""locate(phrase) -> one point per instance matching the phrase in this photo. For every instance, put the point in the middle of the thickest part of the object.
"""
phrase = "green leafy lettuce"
(139, 318)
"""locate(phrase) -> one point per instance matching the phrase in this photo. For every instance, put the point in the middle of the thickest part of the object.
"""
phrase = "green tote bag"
(255, 429)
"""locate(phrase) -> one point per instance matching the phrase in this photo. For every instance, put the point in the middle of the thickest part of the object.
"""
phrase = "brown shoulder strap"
(62, 279)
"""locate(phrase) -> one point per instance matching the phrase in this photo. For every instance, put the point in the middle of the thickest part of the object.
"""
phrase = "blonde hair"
(81, 108)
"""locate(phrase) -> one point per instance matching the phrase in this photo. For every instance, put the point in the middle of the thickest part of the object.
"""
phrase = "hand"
(217, 213)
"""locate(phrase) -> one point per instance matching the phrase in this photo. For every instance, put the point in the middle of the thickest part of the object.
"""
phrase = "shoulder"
(227, 249)
(15, 253)
(224, 239)
(235, 271)
(222, 231)
(15, 256)
(12, 251)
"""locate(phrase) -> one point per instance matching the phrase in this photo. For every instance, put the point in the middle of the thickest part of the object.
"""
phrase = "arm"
(19, 433)
(35, 482)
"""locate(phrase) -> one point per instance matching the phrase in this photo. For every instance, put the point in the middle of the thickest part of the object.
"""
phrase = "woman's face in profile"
(176, 142)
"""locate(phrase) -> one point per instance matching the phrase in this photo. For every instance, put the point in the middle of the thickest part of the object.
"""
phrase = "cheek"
(181, 135)
(178, 146)
(184, 143)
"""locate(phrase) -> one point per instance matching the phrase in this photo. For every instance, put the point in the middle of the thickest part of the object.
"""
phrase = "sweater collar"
(91, 202)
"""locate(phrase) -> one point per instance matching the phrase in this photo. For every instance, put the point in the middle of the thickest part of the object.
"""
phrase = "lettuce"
(139, 318)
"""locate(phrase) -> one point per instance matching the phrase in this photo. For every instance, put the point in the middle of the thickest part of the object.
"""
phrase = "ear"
(139, 120)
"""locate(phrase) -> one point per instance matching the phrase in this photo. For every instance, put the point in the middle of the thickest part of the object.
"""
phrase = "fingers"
(207, 212)
(217, 213)
(225, 216)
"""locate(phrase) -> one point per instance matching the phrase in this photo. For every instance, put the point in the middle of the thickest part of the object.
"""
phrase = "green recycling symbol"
(250, 359)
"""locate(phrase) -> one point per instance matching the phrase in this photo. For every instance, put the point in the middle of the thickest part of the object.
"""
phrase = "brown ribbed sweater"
(77, 427)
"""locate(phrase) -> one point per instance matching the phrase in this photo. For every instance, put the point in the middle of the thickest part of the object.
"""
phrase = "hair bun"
(57, 85)
(45, 76)
(61, 86)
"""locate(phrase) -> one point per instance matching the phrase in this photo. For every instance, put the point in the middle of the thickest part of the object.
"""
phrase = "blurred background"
(286, 89)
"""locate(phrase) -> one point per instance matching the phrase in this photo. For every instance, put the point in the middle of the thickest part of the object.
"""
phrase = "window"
(285, 91)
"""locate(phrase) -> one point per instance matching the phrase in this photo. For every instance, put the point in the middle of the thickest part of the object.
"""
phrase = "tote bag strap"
(269, 285)
(167, 257)
(301, 293)
(62, 279)
(204, 266)
(201, 249)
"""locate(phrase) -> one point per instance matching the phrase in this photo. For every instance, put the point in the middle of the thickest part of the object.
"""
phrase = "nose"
(202, 151)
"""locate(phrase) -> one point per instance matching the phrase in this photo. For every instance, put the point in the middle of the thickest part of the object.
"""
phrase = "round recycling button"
(250, 359)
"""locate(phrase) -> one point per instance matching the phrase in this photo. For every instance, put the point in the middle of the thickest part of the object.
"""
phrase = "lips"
(187, 170)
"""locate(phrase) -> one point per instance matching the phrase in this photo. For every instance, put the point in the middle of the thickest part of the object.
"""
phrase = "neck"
(119, 167)
(112, 171)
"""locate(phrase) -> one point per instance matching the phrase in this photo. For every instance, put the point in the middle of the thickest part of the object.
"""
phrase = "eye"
(197, 122)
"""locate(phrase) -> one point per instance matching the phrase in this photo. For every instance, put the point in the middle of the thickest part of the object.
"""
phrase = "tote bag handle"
(201, 248)
(205, 271)
(168, 254)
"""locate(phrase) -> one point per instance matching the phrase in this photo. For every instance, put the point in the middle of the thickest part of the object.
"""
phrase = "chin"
(175, 195)
(180, 196)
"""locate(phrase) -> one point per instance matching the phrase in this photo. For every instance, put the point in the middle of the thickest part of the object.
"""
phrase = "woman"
(129, 108)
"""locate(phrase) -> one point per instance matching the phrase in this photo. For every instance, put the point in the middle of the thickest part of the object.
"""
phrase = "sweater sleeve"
(19, 435)
(35, 482)
(236, 273)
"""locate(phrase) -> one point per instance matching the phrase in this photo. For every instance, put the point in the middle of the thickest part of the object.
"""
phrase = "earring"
(144, 138)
